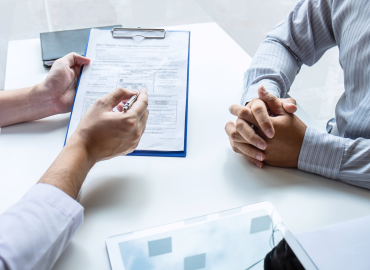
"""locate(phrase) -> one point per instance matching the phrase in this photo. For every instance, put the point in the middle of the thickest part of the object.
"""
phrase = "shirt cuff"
(252, 92)
(59, 200)
(321, 153)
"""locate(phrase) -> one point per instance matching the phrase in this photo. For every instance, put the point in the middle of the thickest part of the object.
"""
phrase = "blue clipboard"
(146, 152)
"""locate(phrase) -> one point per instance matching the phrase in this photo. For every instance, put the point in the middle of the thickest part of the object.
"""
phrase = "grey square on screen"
(260, 224)
(159, 247)
(195, 262)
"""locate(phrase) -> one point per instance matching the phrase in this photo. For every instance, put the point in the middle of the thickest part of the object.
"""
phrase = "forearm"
(302, 38)
(335, 157)
(24, 104)
(70, 168)
(274, 67)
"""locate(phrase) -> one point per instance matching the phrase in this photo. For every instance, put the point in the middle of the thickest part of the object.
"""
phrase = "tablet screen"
(247, 241)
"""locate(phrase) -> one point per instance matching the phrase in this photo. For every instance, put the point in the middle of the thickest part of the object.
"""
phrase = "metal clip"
(120, 32)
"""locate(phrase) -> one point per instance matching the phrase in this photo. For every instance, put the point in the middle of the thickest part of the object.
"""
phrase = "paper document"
(159, 65)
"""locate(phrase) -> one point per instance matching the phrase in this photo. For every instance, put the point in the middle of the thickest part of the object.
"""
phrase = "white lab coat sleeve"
(35, 231)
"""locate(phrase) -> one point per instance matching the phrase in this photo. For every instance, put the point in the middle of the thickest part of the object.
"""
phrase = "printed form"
(159, 65)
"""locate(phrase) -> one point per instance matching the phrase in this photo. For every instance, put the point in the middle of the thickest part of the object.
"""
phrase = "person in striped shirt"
(267, 131)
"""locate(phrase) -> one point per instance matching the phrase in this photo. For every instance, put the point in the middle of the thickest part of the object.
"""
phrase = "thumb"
(272, 102)
(289, 105)
(116, 96)
(80, 60)
(72, 59)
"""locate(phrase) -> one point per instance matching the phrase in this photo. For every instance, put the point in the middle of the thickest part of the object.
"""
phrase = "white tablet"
(246, 238)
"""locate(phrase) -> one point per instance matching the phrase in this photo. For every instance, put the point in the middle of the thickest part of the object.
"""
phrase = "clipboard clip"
(120, 32)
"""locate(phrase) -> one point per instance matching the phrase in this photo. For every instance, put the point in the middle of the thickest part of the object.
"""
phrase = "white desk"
(130, 193)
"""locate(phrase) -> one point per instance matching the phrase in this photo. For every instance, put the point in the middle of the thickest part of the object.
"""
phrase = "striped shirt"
(313, 27)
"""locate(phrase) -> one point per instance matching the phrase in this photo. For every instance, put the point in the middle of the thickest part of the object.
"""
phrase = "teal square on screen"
(260, 224)
(195, 262)
(159, 247)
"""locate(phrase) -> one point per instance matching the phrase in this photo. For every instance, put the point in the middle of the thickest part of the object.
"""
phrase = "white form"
(159, 65)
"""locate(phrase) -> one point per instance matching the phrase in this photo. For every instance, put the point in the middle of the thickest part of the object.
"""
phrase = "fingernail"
(269, 133)
(259, 157)
(261, 146)
(258, 165)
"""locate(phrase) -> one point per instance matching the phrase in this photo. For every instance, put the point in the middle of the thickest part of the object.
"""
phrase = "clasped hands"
(267, 131)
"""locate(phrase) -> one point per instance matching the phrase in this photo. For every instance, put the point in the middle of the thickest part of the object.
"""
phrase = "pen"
(130, 102)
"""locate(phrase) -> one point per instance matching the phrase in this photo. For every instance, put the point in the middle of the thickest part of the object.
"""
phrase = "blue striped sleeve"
(335, 157)
(355, 167)
(302, 38)
(321, 153)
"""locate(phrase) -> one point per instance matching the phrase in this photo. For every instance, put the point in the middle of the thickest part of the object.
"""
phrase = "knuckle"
(121, 89)
(258, 109)
(137, 114)
(243, 113)
(251, 154)
(271, 97)
(130, 123)
(254, 140)
(146, 102)
(60, 59)
(247, 151)
(101, 101)
(239, 126)
(234, 135)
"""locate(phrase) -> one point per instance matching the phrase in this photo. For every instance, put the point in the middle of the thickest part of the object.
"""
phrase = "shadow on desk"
(112, 192)
(73, 248)
(274, 179)
(42, 126)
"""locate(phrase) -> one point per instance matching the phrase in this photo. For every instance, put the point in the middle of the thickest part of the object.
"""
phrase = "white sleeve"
(36, 230)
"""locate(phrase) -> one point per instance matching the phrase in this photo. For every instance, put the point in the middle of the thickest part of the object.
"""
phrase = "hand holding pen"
(126, 106)
(129, 103)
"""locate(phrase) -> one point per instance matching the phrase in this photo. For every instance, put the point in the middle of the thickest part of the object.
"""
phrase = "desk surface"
(131, 193)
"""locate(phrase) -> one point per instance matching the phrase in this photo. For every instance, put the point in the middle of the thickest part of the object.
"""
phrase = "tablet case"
(55, 45)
